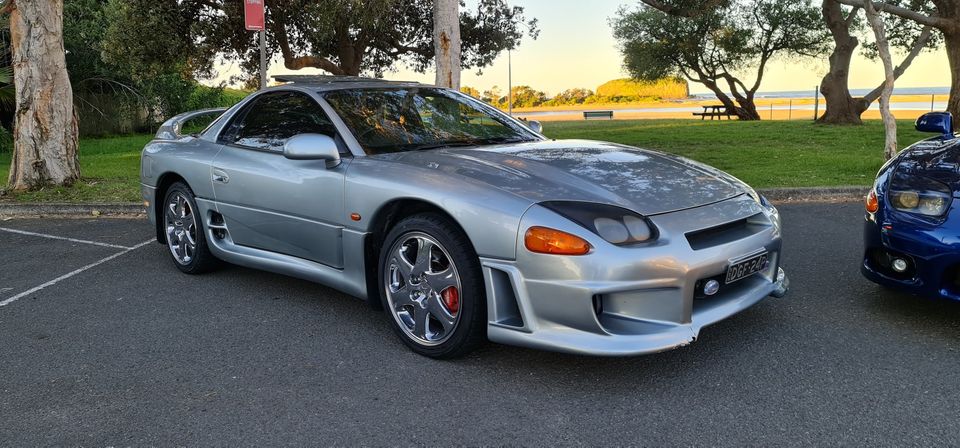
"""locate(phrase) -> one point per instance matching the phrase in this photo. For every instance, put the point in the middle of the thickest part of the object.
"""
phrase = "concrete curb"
(15, 209)
(815, 194)
(776, 195)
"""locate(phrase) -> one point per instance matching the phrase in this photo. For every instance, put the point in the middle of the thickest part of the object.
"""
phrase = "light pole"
(510, 81)
(263, 59)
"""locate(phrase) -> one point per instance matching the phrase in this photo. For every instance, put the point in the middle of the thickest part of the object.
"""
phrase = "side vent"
(217, 225)
(505, 308)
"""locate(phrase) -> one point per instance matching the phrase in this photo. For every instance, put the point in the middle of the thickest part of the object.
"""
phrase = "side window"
(275, 117)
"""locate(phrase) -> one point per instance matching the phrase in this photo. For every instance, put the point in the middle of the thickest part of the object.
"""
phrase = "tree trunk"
(841, 107)
(446, 42)
(883, 47)
(952, 41)
(45, 130)
(747, 110)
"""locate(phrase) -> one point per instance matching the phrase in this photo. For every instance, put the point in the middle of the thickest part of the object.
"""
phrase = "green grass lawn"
(110, 167)
(764, 154)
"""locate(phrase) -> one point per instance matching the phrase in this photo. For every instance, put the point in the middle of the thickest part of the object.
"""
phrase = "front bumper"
(619, 301)
(931, 250)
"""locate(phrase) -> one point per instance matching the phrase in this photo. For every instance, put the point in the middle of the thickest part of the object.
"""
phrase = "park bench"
(712, 111)
(591, 114)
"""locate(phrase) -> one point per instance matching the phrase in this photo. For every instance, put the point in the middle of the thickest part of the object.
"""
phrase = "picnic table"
(714, 110)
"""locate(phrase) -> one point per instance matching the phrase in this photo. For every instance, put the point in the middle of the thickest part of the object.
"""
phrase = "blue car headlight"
(920, 195)
(614, 224)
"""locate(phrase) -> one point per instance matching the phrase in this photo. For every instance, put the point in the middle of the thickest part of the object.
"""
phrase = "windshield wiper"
(439, 145)
(505, 140)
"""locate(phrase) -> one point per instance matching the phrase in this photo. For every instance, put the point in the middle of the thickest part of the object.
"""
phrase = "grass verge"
(765, 154)
(110, 167)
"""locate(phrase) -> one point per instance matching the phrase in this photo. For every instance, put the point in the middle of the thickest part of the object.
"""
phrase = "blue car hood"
(937, 158)
(647, 182)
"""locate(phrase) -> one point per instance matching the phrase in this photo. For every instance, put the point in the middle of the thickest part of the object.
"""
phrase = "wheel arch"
(385, 218)
(164, 181)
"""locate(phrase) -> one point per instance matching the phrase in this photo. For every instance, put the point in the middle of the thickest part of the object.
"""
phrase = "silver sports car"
(461, 222)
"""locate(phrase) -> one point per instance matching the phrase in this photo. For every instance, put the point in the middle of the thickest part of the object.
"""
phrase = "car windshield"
(409, 119)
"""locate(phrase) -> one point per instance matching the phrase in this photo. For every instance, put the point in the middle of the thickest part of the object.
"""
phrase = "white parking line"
(63, 238)
(71, 274)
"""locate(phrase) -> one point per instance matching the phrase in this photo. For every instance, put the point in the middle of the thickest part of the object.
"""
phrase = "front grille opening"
(727, 233)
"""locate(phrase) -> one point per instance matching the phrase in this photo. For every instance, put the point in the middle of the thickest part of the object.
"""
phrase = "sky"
(576, 48)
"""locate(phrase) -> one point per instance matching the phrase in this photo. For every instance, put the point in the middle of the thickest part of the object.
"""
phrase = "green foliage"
(669, 88)
(121, 85)
(570, 97)
(341, 37)
(471, 91)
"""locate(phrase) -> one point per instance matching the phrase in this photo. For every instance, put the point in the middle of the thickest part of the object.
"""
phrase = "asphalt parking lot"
(128, 351)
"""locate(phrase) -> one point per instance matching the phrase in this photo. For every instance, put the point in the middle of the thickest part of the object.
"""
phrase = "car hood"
(644, 181)
(937, 158)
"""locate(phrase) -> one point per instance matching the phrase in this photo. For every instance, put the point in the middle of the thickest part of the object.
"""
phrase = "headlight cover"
(614, 224)
(919, 195)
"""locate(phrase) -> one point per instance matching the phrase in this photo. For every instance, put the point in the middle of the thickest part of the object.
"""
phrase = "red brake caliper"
(451, 299)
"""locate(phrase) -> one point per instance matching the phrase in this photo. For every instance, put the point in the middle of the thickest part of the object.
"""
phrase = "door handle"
(220, 176)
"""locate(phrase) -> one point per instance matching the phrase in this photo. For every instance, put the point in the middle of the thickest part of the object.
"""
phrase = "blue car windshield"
(385, 120)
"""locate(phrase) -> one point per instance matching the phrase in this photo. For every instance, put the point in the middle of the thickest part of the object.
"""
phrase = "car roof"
(325, 83)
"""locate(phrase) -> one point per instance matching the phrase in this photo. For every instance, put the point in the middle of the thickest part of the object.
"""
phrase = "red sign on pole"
(253, 14)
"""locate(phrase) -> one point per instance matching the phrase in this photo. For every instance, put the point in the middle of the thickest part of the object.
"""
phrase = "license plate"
(746, 268)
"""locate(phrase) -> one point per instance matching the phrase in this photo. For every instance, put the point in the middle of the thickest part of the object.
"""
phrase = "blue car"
(912, 228)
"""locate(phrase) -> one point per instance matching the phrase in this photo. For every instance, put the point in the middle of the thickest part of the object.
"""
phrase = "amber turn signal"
(549, 241)
(872, 204)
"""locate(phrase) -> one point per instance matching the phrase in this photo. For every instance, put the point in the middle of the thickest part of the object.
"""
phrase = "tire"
(425, 314)
(183, 231)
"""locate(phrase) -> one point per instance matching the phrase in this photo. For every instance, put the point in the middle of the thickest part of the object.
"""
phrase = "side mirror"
(312, 147)
(939, 122)
(535, 126)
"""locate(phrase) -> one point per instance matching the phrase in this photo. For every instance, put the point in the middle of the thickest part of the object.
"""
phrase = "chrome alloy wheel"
(423, 289)
(181, 227)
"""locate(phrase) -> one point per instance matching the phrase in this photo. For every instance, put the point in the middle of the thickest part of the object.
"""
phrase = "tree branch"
(915, 50)
(683, 12)
(298, 62)
(852, 16)
(921, 18)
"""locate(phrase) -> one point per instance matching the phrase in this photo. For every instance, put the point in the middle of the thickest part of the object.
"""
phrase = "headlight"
(920, 195)
(614, 224)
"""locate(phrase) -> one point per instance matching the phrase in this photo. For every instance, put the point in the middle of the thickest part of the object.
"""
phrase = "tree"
(883, 48)
(943, 15)
(526, 96)
(572, 96)
(715, 40)
(471, 91)
(45, 129)
(842, 107)
(339, 37)
(446, 42)
(711, 42)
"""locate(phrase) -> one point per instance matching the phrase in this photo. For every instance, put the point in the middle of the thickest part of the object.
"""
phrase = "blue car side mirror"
(939, 122)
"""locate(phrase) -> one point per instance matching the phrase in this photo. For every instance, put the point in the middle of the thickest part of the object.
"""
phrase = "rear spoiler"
(170, 129)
